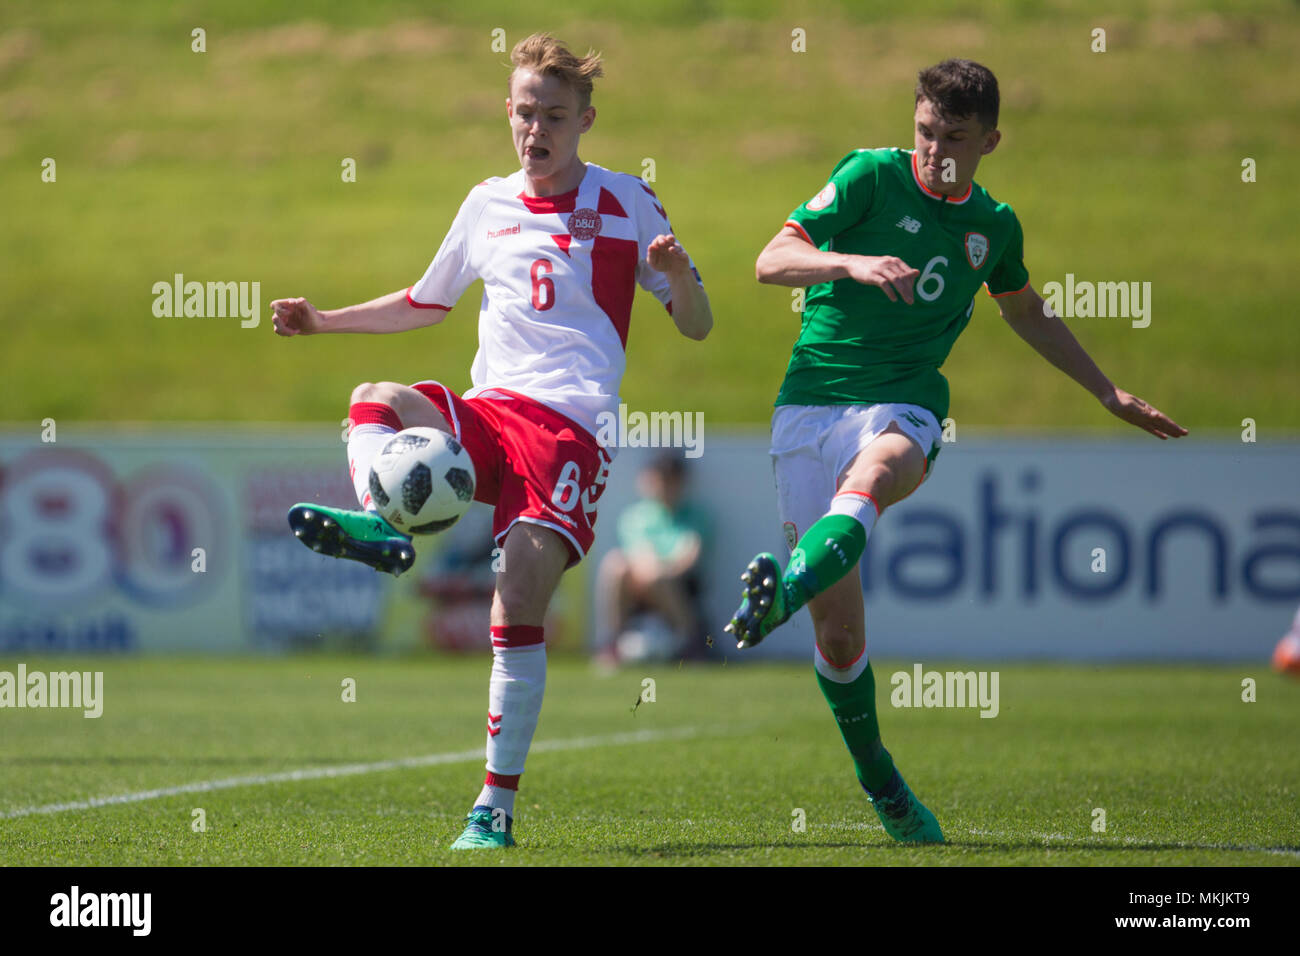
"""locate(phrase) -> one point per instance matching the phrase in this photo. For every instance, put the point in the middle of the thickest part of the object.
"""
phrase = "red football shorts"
(532, 463)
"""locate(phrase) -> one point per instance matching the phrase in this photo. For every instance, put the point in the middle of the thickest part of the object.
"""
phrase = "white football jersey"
(559, 274)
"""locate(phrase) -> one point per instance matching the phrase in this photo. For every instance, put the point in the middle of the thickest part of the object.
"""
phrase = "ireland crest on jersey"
(977, 249)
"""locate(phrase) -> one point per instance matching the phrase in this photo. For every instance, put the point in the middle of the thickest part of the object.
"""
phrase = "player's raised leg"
(886, 471)
(377, 412)
(534, 559)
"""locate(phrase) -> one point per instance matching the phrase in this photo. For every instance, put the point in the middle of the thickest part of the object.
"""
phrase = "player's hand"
(890, 273)
(1137, 412)
(295, 317)
(665, 254)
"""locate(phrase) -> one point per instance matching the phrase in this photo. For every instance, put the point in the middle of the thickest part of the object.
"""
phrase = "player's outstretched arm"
(692, 313)
(1037, 324)
(388, 313)
(791, 260)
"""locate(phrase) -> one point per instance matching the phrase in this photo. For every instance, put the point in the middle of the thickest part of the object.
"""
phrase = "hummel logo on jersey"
(508, 231)
(910, 224)
(494, 723)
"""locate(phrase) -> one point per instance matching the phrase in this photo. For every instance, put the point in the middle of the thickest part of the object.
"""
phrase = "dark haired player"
(893, 250)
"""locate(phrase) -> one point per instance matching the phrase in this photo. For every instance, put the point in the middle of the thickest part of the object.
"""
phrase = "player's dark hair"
(960, 88)
(669, 465)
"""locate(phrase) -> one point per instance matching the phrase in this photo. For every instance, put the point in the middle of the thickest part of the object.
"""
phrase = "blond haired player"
(560, 246)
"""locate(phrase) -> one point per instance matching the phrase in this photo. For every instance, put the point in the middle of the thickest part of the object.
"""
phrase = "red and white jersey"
(559, 273)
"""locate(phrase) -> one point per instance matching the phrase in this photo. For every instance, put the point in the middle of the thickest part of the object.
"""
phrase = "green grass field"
(1187, 773)
(225, 166)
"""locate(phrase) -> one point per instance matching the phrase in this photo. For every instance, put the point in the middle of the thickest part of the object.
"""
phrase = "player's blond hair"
(542, 53)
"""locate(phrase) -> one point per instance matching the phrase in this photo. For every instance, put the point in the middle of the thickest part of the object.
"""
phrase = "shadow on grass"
(1147, 846)
(1020, 846)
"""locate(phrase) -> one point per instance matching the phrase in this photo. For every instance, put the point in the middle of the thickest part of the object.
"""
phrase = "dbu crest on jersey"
(977, 248)
(584, 224)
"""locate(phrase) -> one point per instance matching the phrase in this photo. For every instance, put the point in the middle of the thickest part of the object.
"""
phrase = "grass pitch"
(713, 771)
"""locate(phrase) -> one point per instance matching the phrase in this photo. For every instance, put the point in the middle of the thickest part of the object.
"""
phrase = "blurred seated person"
(655, 570)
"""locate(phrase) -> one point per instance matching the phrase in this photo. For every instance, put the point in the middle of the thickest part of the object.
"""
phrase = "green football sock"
(827, 551)
(854, 707)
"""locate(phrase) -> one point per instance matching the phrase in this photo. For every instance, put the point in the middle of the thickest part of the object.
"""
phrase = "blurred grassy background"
(1123, 165)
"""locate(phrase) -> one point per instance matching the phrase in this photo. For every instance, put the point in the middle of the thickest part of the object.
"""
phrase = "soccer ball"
(422, 481)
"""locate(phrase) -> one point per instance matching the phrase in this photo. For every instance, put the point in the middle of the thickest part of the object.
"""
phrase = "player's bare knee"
(514, 602)
(841, 643)
(841, 654)
(362, 393)
(414, 408)
(881, 480)
(383, 393)
(878, 478)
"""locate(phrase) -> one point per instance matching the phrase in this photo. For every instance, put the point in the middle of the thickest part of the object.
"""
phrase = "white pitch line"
(346, 770)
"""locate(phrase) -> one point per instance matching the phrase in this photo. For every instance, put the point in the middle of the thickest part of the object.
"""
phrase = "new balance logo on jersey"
(508, 231)
(910, 224)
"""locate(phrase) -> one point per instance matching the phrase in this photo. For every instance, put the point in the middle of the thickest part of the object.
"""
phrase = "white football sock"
(497, 798)
(364, 445)
(858, 505)
(515, 693)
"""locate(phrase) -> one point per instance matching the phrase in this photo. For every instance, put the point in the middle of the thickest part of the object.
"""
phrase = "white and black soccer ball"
(422, 481)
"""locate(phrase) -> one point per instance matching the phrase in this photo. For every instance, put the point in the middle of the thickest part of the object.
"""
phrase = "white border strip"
(346, 770)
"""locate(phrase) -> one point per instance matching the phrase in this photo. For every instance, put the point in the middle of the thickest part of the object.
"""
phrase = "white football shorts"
(813, 444)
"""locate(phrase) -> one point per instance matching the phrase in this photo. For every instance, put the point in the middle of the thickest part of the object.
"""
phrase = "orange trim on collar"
(916, 178)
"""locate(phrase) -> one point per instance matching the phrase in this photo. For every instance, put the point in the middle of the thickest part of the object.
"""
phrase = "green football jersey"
(857, 347)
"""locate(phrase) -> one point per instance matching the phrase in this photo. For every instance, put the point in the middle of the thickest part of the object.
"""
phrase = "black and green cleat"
(358, 535)
(903, 816)
(763, 604)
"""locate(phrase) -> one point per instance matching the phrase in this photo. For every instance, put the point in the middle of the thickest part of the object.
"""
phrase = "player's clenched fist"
(665, 254)
(888, 272)
(295, 317)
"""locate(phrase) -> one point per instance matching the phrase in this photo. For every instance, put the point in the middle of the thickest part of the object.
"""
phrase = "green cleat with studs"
(358, 535)
(903, 816)
(763, 603)
(486, 829)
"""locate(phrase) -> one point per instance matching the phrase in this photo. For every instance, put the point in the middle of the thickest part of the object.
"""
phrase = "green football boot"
(359, 535)
(904, 817)
(481, 833)
(763, 603)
